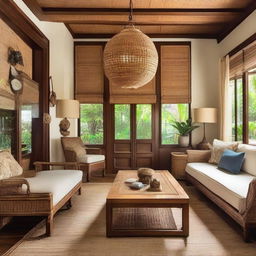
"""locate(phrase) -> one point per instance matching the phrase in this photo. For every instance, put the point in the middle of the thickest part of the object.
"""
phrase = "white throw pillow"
(249, 164)
(9, 167)
(218, 148)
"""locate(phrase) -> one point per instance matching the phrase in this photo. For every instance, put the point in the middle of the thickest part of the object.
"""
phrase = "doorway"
(133, 136)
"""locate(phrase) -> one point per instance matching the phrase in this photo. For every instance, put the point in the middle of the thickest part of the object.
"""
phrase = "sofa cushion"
(218, 148)
(249, 164)
(231, 161)
(9, 167)
(231, 188)
(93, 158)
(57, 182)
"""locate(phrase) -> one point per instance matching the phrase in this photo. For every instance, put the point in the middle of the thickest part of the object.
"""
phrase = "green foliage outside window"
(170, 114)
(143, 121)
(26, 127)
(252, 108)
(122, 122)
(91, 123)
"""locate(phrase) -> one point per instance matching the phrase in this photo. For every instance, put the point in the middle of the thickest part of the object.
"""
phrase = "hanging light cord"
(131, 12)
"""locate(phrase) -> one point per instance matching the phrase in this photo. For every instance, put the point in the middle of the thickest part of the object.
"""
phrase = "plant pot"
(184, 141)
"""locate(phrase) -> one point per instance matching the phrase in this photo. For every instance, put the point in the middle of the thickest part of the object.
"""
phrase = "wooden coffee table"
(125, 206)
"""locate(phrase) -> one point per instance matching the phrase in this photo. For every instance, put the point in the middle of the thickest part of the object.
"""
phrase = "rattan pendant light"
(130, 57)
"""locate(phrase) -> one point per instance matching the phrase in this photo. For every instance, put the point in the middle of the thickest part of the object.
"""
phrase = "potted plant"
(184, 129)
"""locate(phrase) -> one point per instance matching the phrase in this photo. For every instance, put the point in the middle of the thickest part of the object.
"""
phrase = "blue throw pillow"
(231, 161)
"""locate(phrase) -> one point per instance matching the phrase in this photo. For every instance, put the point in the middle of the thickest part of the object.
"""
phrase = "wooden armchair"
(16, 202)
(88, 159)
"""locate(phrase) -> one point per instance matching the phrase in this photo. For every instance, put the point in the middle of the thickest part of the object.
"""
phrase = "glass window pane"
(91, 123)
(252, 108)
(239, 110)
(122, 122)
(143, 121)
(231, 101)
(170, 113)
(26, 128)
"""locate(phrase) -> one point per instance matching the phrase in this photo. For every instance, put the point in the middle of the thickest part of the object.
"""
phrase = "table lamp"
(204, 115)
(67, 109)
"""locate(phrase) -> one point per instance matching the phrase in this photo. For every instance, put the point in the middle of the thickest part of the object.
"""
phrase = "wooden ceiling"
(157, 18)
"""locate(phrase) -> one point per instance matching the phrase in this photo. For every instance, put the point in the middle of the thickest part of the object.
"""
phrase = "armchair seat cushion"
(232, 188)
(93, 158)
(57, 182)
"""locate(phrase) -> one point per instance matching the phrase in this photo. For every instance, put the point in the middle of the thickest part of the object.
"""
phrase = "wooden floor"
(81, 231)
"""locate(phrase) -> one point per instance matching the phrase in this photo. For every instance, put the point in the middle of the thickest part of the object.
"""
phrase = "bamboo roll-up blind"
(175, 74)
(236, 64)
(143, 95)
(89, 77)
(250, 56)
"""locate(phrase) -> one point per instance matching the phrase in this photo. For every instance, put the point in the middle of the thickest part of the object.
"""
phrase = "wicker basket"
(178, 164)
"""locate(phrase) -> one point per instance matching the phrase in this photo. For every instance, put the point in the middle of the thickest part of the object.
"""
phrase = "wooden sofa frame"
(246, 220)
(36, 204)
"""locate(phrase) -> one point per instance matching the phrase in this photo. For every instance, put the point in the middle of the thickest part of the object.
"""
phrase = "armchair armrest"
(250, 212)
(94, 151)
(70, 155)
(39, 165)
(13, 183)
(198, 156)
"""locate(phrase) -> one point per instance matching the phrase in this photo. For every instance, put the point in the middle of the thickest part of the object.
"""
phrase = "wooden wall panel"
(10, 39)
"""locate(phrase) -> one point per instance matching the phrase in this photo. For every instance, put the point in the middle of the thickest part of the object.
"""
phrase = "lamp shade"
(205, 115)
(68, 109)
(130, 59)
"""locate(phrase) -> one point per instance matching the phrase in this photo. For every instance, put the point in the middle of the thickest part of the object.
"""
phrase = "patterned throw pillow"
(218, 148)
(9, 167)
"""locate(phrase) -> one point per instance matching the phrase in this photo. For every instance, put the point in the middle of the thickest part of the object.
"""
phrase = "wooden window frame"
(245, 85)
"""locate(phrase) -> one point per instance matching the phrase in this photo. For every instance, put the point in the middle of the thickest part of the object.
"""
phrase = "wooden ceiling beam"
(139, 10)
(251, 8)
(107, 36)
(176, 18)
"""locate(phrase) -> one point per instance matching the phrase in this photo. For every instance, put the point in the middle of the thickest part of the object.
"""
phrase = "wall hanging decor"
(47, 118)
(15, 57)
(53, 97)
(130, 57)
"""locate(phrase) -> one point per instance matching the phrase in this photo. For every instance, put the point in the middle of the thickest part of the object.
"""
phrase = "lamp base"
(64, 126)
(203, 145)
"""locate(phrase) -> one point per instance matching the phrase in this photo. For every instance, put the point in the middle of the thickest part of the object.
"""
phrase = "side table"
(178, 164)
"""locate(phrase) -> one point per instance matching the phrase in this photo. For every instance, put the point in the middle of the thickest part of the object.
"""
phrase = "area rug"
(143, 218)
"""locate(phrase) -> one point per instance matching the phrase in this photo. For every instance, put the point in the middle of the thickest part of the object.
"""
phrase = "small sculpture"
(145, 175)
(155, 186)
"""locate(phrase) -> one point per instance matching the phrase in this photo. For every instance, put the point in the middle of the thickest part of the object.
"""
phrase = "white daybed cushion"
(93, 158)
(57, 182)
(232, 188)
(249, 164)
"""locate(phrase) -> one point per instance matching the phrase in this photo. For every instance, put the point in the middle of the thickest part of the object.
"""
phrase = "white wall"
(61, 70)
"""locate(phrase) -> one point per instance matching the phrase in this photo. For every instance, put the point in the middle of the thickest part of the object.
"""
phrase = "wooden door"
(133, 136)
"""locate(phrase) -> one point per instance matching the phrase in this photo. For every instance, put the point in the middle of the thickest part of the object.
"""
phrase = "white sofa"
(234, 193)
